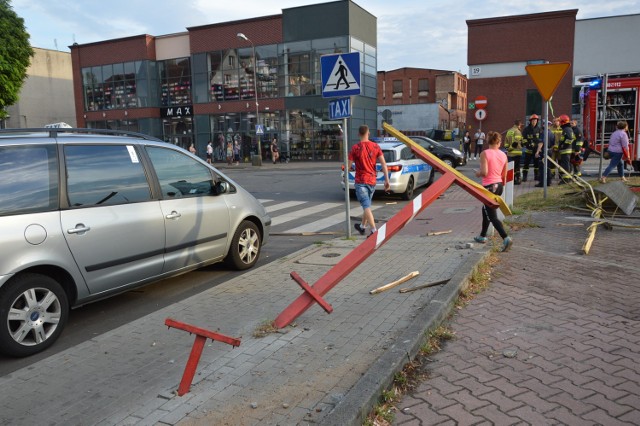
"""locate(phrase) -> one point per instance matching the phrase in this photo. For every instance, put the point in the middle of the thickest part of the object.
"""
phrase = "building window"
(114, 86)
(423, 87)
(397, 89)
(175, 82)
(533, 102)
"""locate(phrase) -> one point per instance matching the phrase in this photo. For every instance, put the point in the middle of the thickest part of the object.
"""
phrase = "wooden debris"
(420, 287)
(395, 283)
(430, 234)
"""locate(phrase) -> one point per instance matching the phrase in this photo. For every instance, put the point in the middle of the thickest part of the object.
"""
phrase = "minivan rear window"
(28, 179)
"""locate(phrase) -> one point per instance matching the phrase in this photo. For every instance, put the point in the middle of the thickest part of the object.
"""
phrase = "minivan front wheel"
(245, 246)
(33, 311)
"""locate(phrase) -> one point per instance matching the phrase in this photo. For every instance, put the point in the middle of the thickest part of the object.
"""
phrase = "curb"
(354, 408)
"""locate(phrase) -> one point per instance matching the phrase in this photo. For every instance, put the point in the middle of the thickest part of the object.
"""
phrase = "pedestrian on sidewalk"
(229, 153)
(618, 150)
(365, 154)
(466, 145)
(493, 171)
(478, 138)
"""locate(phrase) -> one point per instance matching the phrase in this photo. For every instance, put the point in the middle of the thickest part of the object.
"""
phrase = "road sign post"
(341, 78)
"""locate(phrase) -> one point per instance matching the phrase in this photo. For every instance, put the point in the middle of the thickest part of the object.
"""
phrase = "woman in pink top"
(493, 171)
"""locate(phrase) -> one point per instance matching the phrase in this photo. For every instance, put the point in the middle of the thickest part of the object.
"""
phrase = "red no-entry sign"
(481, 102)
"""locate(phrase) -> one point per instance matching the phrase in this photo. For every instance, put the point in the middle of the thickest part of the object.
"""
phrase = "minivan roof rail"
(54, 131)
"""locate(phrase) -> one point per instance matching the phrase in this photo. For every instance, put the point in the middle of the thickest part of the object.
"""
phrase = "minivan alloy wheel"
(245, 246)
(33, 311)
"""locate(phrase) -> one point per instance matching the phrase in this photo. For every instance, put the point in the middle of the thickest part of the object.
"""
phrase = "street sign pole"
(347, 197)
(341, 77)
(545, 149)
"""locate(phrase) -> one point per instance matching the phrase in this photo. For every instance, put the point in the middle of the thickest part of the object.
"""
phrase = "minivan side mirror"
(222, 187)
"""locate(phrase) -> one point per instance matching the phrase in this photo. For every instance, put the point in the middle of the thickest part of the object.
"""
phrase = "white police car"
(406, 172)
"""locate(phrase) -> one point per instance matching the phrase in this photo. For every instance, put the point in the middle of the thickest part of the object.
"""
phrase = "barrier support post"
(196, 351)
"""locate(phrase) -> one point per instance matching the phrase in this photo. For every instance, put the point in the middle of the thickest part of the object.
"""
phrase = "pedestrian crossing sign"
(259, 129)
(340, 74)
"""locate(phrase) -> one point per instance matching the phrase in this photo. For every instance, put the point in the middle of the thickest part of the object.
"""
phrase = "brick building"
(498, 51)
(418, 100)
(200, 85)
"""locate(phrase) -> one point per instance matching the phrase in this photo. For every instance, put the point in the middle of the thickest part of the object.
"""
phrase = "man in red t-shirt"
(365, 154)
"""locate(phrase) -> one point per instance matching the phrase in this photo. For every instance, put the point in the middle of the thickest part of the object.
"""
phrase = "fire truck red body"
(621, 105)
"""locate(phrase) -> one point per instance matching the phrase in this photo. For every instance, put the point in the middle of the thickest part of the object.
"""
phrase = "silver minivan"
(86, 214)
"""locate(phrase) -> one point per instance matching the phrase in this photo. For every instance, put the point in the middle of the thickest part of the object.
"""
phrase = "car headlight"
(456, 152)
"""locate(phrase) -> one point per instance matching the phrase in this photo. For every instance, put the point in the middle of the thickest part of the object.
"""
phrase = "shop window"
(175, 78)
(112, 86)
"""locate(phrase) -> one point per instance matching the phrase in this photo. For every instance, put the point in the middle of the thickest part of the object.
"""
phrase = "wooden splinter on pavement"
(420, 287)
(395, 283)
(430, 234)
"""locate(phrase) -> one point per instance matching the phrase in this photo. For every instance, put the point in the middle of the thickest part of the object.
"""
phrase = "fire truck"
(621, 104)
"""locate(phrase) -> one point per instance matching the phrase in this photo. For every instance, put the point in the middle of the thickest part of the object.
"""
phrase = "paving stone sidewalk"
(554, 340)
(324, 370)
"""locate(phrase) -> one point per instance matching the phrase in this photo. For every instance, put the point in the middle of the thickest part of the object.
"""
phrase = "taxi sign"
(547, 77)
(339, 108)
(340, 74)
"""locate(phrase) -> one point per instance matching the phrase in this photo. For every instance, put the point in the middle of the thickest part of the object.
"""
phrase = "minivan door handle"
(79, 229)
(173, 215)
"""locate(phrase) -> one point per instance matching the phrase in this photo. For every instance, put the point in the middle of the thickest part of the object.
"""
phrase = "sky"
(411, 33)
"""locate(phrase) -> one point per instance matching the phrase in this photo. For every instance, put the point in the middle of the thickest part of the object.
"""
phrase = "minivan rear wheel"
(33, 311)
(245, 246)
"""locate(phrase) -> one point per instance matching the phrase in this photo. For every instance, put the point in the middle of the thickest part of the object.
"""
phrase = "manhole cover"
(331, 255)
(325, 256)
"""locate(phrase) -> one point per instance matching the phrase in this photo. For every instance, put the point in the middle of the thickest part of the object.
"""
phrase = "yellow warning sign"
(547, 77)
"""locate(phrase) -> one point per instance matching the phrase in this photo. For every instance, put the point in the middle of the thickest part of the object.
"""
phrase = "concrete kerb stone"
(358, 402)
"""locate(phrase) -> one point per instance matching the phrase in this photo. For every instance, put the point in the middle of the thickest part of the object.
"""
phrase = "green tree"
(15, 56)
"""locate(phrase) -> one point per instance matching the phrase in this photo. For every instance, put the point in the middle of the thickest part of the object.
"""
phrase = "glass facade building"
(187, 88)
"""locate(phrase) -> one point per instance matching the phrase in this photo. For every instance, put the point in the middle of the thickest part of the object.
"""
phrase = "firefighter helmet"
(564, 119)
(533, 117)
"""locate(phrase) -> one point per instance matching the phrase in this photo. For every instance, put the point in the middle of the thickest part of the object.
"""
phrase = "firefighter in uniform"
(513, 143)
(557, 132)
(531, 138)
(542, 156)
(578, 151)
(565, 148)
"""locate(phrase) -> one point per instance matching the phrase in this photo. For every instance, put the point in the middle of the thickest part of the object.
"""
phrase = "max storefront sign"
(177, 111)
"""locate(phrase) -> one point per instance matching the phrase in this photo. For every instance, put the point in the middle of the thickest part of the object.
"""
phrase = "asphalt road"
(317, 184)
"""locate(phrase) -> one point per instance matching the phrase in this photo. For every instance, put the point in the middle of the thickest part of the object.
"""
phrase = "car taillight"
(396, 168)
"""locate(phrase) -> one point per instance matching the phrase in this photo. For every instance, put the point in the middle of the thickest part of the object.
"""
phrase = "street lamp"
(241, 36)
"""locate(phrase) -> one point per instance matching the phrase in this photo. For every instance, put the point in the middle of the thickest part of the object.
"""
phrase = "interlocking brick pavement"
(573, 322)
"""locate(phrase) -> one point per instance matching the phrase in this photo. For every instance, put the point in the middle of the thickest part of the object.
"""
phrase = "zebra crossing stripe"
(282, 206)
(288, 217)
(327, 222)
